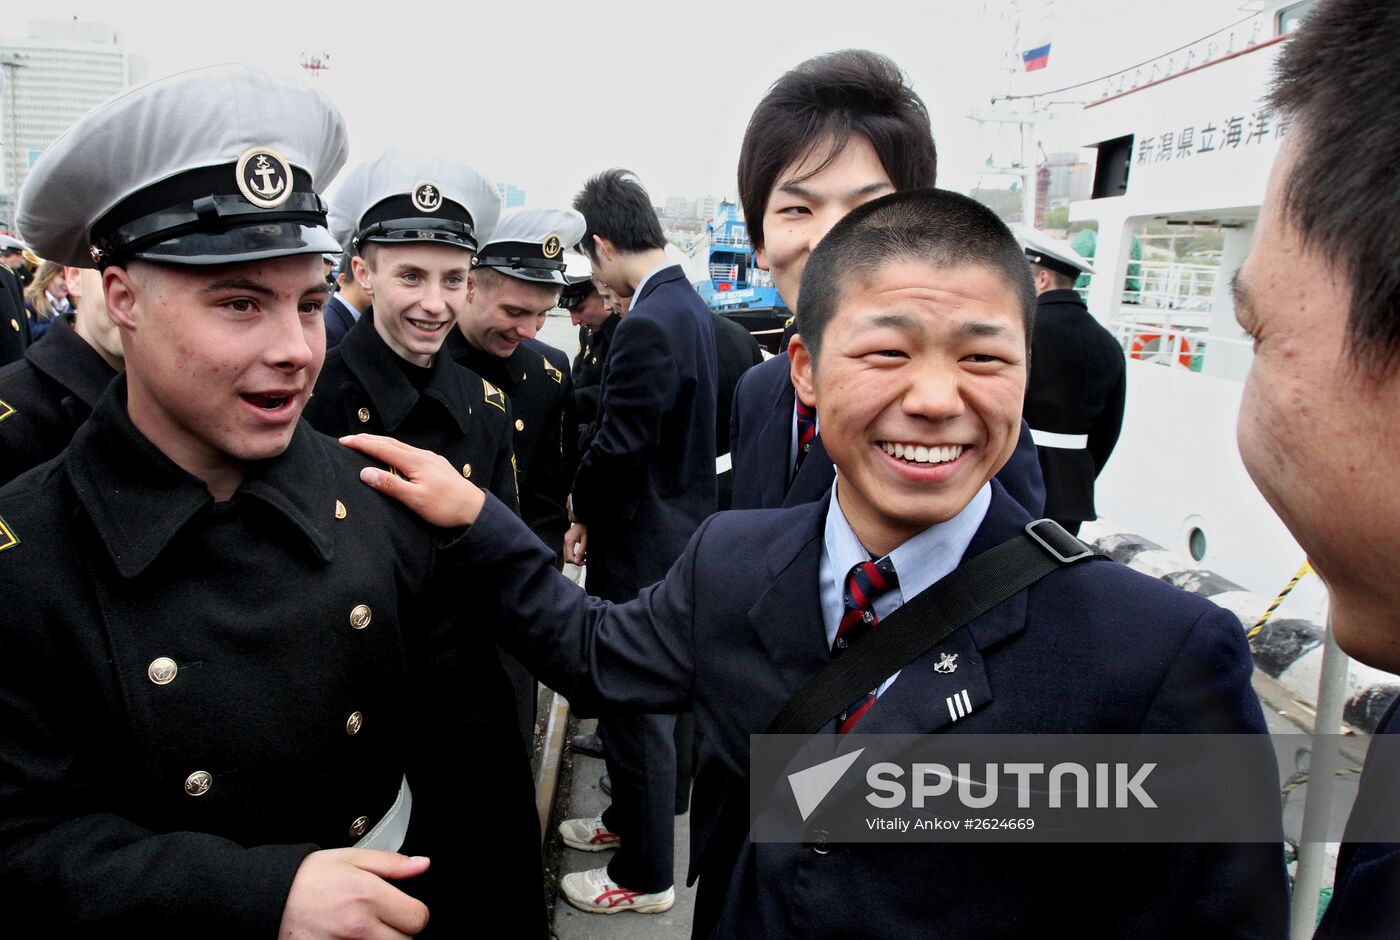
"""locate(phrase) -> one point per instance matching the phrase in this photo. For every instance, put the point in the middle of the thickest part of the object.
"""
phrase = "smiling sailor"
(1077, 384)
(412, 225)
(224, 714)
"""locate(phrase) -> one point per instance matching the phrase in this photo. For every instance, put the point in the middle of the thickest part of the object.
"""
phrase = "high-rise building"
(511, 195)
(52, 76)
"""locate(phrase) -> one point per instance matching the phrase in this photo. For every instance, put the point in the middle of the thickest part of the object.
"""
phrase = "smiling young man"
(415, 224)
(832, 134)
(919, 309)
(238, 696)
(1320, 295)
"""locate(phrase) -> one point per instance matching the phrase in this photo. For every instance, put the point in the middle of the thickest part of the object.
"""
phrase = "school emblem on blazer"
(552, 245)
(264, 177)
(947, 663)
(427, 197)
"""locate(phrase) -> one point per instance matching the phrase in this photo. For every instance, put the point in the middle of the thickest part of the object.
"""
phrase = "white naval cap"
(529, 243)
(400, 198)
(211, 166)
(8, 244)
(578, 279)
(1052, 253)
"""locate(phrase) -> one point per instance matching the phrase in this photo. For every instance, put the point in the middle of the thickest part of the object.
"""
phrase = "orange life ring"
(1149, 346)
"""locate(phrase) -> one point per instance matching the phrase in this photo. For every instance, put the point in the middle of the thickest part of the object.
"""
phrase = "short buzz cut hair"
(933, 226)
(823, 103)
(615, 206)
(1336, 79)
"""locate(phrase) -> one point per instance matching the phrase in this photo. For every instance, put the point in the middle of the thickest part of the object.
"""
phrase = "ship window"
(1291, 17)
(1111, 168)
(1197, 542)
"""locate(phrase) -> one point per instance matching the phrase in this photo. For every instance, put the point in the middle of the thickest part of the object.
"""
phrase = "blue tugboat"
(737, 289)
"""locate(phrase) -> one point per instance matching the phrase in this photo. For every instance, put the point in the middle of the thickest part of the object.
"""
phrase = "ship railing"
(1218, 45)
(1172, 346)
(1171, 285)
(729, 241)
(760, 278)
(726, 272)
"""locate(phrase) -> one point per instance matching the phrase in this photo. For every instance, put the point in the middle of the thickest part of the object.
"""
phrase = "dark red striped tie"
(806, 430)
(865, 582)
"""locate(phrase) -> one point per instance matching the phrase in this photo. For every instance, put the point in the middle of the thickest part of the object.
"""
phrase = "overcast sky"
(542, 94)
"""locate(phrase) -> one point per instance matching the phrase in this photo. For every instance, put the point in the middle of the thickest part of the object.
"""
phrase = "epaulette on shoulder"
(494, 395)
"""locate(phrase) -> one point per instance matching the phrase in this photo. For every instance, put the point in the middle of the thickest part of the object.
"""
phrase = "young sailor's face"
(918, 388)
(1317, 430)
(804, 206)
(220, 360)
(418, 291)
(502, 311)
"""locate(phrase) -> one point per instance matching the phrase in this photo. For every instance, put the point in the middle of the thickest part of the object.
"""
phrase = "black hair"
(934, 226)
(1336, 79)
(1059, 280)
(824, 102)
(617, 207)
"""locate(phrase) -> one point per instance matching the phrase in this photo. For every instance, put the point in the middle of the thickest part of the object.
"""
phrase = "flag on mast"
(1036, 42)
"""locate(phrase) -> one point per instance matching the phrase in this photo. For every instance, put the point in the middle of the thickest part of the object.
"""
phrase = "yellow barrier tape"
(1254, 631)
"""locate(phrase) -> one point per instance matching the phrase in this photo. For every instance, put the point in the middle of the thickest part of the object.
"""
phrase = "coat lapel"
(788, 615)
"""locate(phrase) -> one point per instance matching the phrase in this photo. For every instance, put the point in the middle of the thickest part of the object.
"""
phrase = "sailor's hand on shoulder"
(342, 893)
(420, 479)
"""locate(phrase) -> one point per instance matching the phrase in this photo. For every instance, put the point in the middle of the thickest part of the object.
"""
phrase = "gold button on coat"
(354, 723)
(359, 826)
(162, 671)
(363, 415)
(198, 783)
(340, 512)
(519, 424)
(360, 616)
(467, 470)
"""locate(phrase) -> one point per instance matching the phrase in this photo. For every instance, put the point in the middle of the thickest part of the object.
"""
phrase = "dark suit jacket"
(14, 321)
(735, 629)
(46, 396)
(647, 479)
(588, 376)
(1077, 385)
(738, 352)
(761, 435)
(339, 320)
(1364, 903)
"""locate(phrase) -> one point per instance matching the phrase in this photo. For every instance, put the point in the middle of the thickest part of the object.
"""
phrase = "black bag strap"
(928, 619)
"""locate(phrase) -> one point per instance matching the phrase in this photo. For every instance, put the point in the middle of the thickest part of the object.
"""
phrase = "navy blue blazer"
(339, 319)
(647, 479)
(1364, 904)
(760, 439)
(735, 629)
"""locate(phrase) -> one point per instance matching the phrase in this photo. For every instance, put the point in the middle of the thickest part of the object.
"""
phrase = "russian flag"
(1036, 58)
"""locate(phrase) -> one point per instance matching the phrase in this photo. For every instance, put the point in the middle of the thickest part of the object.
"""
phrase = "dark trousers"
(640, 752)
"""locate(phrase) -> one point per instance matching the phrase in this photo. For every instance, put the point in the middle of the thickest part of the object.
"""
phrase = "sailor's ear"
(122, 293)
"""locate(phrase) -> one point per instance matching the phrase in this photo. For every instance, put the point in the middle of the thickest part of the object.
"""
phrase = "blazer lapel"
(788, 616)
(774, 440)
(814, 478)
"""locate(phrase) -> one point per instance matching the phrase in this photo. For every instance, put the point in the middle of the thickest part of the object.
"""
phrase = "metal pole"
(1322, 770)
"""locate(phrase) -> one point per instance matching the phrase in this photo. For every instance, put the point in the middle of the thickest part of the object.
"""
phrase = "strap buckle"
(1054, 532)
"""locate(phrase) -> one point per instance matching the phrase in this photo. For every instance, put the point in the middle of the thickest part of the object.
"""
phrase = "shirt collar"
(641, 285)
(376, 367)
(139, 499)
(920, 561)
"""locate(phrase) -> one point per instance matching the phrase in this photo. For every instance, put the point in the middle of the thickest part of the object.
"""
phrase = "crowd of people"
(309, 498)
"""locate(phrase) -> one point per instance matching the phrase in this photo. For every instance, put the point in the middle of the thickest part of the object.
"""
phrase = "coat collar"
(376, 367)
(139, 500)
(66, 357)
(672, 272)
(503, 372)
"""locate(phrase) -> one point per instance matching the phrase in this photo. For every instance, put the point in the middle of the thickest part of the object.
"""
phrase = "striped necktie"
(806, 431)
(865, 582)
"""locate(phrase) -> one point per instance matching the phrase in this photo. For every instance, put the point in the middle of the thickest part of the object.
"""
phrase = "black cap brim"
(533, 275)
(244, 243)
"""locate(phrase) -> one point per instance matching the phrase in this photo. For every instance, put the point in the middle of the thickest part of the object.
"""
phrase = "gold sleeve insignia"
(7, 536)
(494, 395)
(6, 409)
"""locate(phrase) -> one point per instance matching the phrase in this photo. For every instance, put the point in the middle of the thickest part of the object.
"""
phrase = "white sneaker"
(588, 835)
(594, 892)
